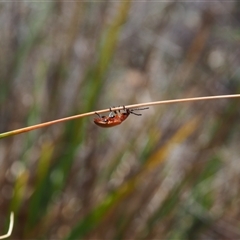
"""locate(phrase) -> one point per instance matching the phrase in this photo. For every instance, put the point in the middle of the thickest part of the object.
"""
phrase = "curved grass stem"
(46, 124)
(8, 234)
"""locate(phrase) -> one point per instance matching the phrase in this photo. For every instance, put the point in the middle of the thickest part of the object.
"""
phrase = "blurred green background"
(173, 173)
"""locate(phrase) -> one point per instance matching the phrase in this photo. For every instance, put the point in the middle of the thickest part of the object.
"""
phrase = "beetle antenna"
(137, 114)
(140, 109)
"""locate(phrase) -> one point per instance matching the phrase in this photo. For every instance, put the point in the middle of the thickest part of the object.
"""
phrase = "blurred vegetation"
(173, 173)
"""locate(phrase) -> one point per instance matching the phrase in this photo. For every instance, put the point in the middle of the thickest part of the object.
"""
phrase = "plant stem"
(42, 125)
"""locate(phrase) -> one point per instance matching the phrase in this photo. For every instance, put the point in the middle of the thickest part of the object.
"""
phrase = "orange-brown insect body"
(114, 118)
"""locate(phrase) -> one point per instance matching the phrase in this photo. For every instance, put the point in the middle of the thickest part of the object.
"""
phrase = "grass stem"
(46, 124)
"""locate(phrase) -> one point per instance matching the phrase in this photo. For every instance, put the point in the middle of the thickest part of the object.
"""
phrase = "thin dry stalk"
(42, 125)
(8, 234)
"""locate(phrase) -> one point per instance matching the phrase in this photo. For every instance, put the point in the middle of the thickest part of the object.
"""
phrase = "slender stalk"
(42, 125)
(8, 234)
(182, 100)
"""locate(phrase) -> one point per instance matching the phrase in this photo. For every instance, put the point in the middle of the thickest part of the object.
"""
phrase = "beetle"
(115, 118)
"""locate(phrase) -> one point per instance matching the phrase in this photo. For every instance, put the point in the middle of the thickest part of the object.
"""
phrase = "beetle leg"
(124, 108)
(98, 114)
(111, 114)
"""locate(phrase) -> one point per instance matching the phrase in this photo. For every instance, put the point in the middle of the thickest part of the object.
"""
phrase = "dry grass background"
(173, 173)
